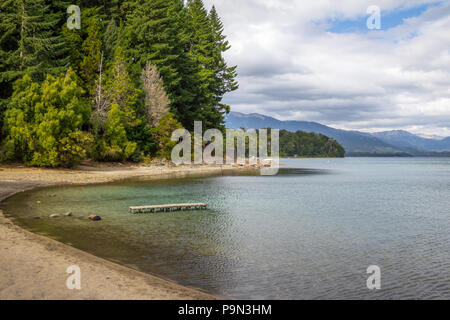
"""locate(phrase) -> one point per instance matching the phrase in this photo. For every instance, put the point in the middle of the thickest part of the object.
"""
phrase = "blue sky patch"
(389, 19)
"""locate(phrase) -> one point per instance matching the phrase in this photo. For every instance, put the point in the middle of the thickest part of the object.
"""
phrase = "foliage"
(156, 99)
(116, 89)
(92, 54)
(303, 144)
(153, 33)
(115, 145)
(163, 134)
(224, 76)
(146, 144)
(120, 89)
(207, 46)
(110, 39)
(29, 42)
(44, 122)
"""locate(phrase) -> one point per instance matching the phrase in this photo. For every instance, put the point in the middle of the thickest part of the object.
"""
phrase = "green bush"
(163, 134)
(115, 145)
(43, 122)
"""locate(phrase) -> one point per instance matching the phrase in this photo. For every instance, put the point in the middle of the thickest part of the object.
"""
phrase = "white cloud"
(292, 68)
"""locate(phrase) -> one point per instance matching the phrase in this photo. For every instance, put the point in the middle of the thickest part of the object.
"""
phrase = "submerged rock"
(54, 216)
(94, 217)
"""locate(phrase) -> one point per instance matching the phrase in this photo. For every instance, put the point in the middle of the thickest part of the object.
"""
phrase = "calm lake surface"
(309, 233)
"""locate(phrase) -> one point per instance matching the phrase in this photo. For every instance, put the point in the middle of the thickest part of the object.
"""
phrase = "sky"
(316, 60)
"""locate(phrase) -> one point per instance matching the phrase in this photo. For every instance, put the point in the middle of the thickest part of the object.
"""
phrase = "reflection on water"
(309, 233)
(301, 171)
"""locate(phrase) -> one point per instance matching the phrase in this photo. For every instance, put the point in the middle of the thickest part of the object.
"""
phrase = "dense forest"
(304, 144)
(110, 80)
(112, 85)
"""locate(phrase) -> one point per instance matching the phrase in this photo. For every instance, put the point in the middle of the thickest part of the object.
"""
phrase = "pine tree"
(149, 37)
(118, 89)
(92, 52)
(107, 8)
(202, 41)
(74, 41)
(30, 43)
(207, 46)
(155, 32)
(163, 133)
(81, 43)
(114, 9)
(110, 39)
(201, 50)
(224, 76)
(156, 98)
(115, 144)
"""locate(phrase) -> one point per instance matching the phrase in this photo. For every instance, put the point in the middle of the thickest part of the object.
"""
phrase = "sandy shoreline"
(34, 267)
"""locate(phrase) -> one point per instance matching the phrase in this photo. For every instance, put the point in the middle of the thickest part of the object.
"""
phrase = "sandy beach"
(34, 267)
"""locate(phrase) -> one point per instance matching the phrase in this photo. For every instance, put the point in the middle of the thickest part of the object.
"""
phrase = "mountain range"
(356, 143)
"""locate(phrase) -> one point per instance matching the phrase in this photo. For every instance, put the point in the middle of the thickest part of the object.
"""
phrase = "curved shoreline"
(34, 267)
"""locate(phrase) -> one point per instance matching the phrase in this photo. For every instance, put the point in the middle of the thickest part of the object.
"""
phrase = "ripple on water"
(309, 233)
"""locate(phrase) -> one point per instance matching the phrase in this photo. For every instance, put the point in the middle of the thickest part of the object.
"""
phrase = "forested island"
(304, 144)
(114, 80)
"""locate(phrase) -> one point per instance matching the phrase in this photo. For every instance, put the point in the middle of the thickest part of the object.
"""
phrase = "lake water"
(309, 233)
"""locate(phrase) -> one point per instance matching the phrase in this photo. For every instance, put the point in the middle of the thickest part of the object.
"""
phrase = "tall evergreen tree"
(201, 51)
(224, 76)
(116, 113)
(108, 8)
(118, 89)
(115, 145)
(114, 9)
(202, 41)
(92, 52)
(157, 102)
(30, 43)
(155, 33)
(206, 47)
(110, 39)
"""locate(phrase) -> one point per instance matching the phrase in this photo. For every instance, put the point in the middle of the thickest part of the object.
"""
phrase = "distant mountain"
(354, 142)
(407, 140)
(389, 143)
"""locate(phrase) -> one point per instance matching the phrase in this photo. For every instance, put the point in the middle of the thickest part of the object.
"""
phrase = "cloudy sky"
(316, 60)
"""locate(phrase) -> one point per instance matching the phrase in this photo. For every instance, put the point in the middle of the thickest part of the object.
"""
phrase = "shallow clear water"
(308, 233)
